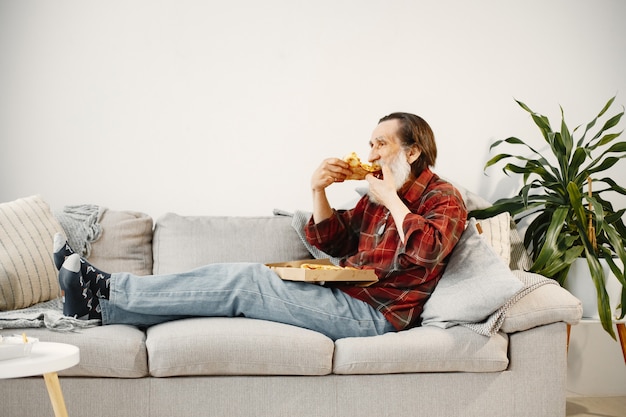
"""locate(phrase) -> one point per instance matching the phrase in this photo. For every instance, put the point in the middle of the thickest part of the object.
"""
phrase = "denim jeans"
(238, 290)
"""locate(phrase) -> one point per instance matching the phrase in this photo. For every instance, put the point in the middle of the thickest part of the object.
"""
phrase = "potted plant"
(563, 201)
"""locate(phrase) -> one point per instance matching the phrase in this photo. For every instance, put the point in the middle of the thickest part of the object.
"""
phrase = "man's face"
(385, 143)
(386, 149)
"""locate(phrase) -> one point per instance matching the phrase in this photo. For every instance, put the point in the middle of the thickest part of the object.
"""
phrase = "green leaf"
(605, 140)
(612, 122)
(606, 106)
(550, 248)
(566, 137)
(578, 158)
(604, 309)
(591, 124)
(614, 187)
(604, 165)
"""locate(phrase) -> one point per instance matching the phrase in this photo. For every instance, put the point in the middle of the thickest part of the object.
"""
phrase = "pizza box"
(292, 271)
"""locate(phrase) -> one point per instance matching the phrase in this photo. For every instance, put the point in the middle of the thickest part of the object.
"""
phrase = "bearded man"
(404, 230)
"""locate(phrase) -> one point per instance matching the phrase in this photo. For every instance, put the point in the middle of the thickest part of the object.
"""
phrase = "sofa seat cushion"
(422, 349)
(115, 351)
(236, 346)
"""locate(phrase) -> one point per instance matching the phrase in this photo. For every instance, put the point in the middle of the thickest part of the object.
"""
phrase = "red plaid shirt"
(366, 237)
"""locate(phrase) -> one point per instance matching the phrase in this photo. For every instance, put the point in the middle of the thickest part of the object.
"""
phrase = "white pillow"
(497, 232)
(27, 272)
(475, 283)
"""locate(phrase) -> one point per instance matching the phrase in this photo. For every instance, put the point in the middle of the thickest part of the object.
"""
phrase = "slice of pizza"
(360, 169)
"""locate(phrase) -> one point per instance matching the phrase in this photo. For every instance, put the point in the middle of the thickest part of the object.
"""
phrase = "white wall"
(201, 107)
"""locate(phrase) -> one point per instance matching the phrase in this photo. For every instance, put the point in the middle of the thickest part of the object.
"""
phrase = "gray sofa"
(244, 367)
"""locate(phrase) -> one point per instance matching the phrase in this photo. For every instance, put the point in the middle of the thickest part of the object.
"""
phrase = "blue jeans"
(238, 290)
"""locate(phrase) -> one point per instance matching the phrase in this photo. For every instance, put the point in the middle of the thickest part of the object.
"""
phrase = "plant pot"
(580, 285)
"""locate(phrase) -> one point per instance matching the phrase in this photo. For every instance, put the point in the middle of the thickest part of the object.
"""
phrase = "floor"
(596, 407)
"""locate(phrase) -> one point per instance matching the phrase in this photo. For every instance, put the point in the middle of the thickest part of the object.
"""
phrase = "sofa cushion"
(27, 272)
(475, 283)
(520, 259)
(422, 349)
(125, 243)
(182, 243)
(114, 351)
(236, 346)
(496, 231)
(544, 305)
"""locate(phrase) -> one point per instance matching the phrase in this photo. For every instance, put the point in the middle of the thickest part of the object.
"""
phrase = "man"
(404, 230)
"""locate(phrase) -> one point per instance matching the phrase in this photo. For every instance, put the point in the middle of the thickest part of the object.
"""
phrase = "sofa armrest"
(544, 305)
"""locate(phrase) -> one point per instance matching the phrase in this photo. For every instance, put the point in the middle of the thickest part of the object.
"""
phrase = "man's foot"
(61, 250)
(79, 301)
(97, 280)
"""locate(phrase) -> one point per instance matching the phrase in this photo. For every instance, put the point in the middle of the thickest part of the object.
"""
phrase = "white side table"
(621, 332)
(45, 359)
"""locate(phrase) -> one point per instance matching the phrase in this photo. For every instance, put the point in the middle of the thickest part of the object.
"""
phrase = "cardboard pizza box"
(292, 271)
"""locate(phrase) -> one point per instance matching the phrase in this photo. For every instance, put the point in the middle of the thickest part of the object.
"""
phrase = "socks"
(61, 250)
(79, 300)
(98, 280)
(95, 278)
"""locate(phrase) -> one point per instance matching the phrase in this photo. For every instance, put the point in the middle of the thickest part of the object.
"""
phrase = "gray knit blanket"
(48, 314)
(81, 226)
(493, 323)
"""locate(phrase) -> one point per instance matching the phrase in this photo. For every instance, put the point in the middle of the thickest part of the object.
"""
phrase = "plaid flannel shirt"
(366, 237)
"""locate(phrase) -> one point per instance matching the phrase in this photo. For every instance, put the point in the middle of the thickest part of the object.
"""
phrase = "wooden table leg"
(569, 330)
(621, 331)
(56, 396)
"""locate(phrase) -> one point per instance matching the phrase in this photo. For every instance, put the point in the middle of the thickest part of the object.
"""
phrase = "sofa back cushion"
(182, 243)
(125, 243)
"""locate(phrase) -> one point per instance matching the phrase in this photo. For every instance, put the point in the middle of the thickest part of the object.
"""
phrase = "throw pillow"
(496, 231)
(475, 283)
(27, 272)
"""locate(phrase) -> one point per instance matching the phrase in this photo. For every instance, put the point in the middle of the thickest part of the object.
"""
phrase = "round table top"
(45, 357)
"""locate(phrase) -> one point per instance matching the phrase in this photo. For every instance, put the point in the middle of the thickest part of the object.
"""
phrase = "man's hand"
(331, 170)
(384, 190)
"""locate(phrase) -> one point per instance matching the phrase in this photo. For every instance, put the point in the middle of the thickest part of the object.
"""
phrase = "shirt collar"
(416, 188)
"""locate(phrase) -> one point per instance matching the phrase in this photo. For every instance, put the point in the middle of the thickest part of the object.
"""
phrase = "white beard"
(400, 169)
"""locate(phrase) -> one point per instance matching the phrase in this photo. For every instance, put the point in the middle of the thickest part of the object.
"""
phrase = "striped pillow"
(497, 231)
(27, 272)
